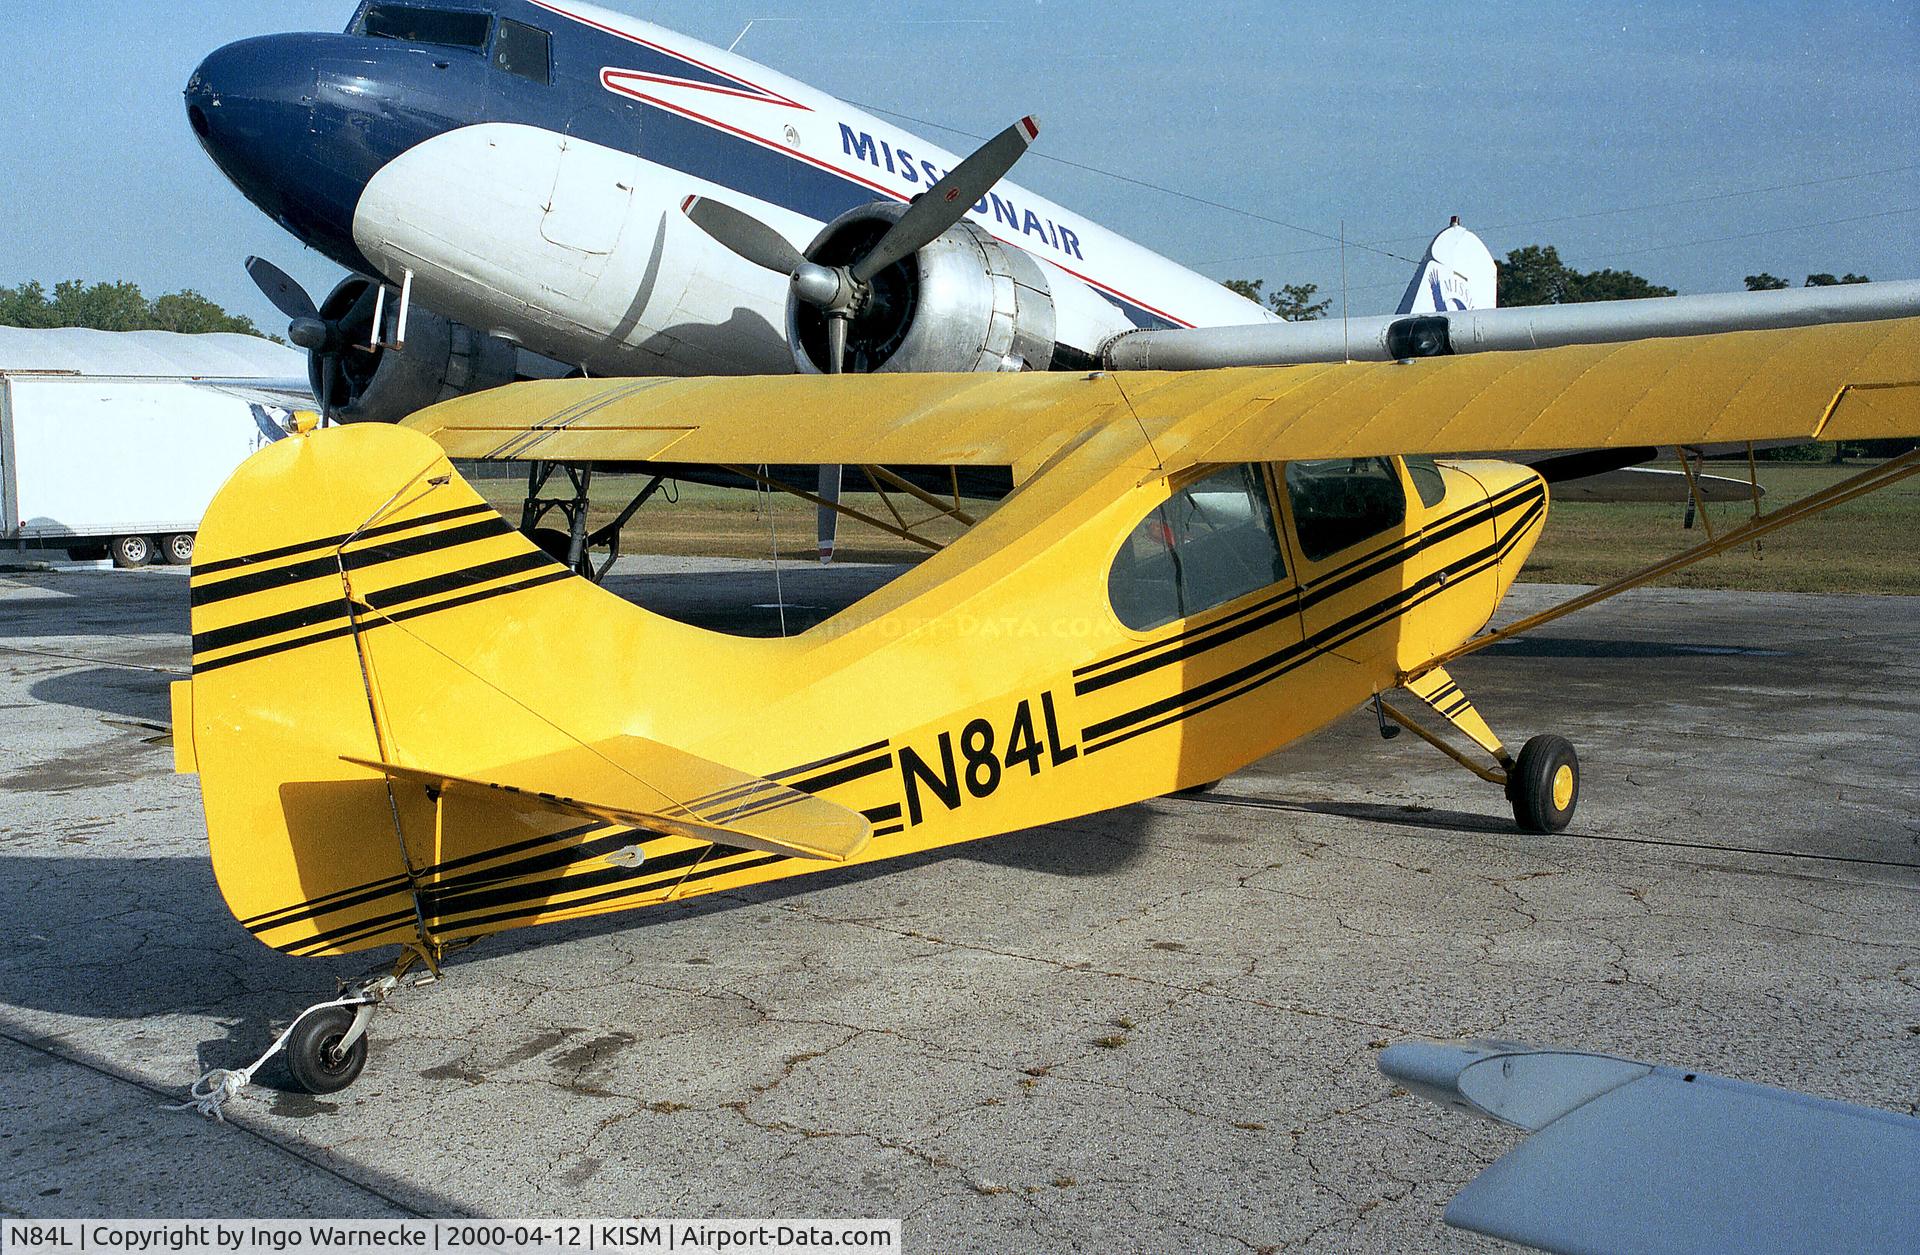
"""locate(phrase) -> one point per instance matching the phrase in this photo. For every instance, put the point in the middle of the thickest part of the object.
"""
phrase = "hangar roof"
(152, 354)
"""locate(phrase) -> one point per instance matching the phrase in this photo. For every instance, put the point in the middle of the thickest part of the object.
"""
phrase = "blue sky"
(1536, 122)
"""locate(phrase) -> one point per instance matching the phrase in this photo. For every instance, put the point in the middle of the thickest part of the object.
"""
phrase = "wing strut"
(1889, 472)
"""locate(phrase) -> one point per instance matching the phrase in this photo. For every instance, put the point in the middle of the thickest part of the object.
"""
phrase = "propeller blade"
(948, 201)
(279, 287)
(828, 524)
(836, 344)
(329, 365)
(744, 234)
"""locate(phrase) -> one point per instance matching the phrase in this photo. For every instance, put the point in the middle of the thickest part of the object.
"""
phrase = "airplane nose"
(258, 109)
(300, 123)
(242, 89)
(251, 103)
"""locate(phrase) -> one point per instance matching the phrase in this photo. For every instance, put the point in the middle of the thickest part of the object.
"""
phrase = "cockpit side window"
(1427, 479)
(1339, 502)
(523, 50)
(1212, 542)
(412, 23)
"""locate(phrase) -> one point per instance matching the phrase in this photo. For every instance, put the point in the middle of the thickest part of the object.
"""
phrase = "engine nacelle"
(965, 302)
(442, 359)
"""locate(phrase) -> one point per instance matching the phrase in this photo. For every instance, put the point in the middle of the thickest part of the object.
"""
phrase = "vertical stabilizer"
(1457, 273)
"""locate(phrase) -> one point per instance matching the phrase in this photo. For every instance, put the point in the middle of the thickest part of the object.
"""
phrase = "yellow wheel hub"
(1563, 786)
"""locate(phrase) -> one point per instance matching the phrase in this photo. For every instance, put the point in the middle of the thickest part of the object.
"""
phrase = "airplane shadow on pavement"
(114, 938)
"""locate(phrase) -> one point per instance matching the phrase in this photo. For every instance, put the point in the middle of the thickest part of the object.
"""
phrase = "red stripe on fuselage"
(774, 97)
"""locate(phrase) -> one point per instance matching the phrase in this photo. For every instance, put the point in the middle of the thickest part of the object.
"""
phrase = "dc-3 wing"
(1842, 381)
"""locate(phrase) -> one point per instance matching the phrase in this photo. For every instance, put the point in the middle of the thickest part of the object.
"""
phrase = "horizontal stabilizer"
(643, 784)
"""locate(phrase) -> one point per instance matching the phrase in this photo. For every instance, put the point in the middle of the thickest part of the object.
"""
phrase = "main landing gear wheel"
(315, 1056)
(1544, 784)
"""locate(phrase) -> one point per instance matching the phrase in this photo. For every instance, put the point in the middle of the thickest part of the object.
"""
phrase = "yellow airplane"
(412, 727)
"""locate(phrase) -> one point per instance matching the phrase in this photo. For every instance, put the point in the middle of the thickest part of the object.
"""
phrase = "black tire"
(130, 551)
(1198, 790)
(313, 1055)
(1544, 784)
(177, 549)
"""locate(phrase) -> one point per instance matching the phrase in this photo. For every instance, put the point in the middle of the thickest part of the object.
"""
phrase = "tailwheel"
(1544, 784)
(327, 1048)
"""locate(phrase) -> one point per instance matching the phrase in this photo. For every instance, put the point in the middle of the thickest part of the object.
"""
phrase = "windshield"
(450, 28)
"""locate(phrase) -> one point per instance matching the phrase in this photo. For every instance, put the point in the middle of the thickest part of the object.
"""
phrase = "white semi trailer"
(112, 443)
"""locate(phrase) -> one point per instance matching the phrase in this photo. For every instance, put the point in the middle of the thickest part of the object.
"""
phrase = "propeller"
(325, 338)
(841, 293)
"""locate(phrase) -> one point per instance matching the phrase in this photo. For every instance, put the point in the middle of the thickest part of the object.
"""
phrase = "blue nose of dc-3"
(251, 105)
(301, 122)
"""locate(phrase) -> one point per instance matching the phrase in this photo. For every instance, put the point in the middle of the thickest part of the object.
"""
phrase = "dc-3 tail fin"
(395, 712)
(1457, 273)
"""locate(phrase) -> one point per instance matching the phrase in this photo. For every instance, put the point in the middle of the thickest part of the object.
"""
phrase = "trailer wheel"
(130, 551)
(177, 549)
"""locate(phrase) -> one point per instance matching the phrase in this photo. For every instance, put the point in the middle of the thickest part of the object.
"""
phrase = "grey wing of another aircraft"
(1630, 1156)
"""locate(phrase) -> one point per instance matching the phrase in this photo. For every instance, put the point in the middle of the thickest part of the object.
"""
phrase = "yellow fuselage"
(994, 687)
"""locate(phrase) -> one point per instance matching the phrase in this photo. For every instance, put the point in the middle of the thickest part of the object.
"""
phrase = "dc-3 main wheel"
(1544, 784)
(314, 1056)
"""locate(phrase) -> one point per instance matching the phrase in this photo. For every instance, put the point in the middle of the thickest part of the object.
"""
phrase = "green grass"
(1870, 545)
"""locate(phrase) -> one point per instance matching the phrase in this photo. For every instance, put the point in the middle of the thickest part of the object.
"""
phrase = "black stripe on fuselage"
(1200, 639)
(354, 560)
(201, 569)
(327, 903)
(336, 608)
(400, 616)
(1169, 710)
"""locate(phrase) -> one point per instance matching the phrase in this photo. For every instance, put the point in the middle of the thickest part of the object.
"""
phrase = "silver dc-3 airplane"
(505, 175)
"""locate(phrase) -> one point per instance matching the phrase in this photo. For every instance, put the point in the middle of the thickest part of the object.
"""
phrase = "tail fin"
(1457, 273)
(402, 718)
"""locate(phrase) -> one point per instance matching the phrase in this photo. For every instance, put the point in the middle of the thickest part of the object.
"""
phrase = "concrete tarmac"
(1152, 1029)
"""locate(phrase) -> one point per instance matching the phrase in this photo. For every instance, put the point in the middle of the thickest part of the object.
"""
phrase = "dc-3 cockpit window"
(1211, 542)
(1339, 502)
(523, 50)
(449, 28)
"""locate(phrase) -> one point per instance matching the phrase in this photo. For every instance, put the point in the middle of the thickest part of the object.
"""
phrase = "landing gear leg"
(326, 1045)
(1542, 784)
(566, 545)
(573, 544)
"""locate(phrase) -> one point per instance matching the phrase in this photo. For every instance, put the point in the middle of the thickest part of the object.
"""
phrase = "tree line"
(1532, 275)
(115, 307)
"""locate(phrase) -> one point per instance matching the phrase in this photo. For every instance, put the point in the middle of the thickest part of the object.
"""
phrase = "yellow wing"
(1841, 381)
